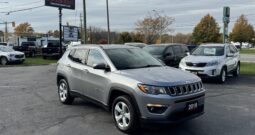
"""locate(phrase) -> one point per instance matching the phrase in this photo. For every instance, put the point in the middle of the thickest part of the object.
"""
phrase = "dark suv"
(170, 54)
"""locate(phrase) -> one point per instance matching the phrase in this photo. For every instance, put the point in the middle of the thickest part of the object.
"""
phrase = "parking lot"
(29, 105)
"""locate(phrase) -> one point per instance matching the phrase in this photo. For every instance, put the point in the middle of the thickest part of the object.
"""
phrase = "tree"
(24, 29)
(242, 31)
(153, 26)
(124, 37)
(56, 33)
(207, 30)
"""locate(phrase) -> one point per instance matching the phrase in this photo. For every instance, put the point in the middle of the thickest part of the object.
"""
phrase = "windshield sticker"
(210, 51)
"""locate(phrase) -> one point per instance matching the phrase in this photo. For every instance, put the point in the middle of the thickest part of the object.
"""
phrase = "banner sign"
(71, 33)
(68, 4)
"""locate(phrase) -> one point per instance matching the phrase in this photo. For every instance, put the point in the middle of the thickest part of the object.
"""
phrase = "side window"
(233, 49)
(170, 51)
(177, 50)
(79, 56)
(95, 57)
(228, 49)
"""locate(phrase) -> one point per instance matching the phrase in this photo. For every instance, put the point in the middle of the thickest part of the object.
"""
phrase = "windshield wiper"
(147, 66)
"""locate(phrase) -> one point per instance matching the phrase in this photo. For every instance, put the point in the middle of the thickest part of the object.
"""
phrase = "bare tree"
(154, 25)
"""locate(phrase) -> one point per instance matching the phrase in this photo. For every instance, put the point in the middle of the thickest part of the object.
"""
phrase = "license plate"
(192, 106)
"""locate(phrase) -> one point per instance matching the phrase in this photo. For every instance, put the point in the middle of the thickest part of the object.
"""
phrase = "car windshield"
(131, 58)
(209, 51)
(155, 50)
(6, 49)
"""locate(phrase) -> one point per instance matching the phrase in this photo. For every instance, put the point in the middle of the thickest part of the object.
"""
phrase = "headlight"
(214, 63)
(153, 90)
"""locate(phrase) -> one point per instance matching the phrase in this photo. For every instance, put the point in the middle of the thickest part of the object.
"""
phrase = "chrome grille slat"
(185, 89)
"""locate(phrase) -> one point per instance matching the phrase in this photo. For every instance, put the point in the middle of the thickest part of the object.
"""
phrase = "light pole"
(108, 22)
(85, 21)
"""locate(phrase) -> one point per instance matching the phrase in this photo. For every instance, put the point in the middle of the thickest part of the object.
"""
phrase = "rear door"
(77, 66)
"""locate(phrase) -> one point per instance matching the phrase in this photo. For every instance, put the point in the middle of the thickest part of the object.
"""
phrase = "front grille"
(19, 56)
(185, 89)
(195, 64)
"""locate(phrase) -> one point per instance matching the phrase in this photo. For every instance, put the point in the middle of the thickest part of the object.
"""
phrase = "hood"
(201, 59)
(16, 53)
(161, 76)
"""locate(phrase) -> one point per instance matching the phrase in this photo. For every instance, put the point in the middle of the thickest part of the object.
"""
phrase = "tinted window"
(78, 56)
(155, 50)
(131, 58)
(95, 57)
(209, 51)
(177, 50)
(169, 51)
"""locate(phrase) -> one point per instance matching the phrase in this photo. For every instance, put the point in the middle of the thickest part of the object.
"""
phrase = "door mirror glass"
(101, 66)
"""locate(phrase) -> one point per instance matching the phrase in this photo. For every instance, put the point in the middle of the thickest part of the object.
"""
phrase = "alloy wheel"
(122, 115)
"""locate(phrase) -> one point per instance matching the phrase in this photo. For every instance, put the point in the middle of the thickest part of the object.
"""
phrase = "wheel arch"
(116, 92)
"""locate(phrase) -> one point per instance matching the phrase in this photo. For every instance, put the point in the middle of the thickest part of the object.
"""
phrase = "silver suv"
(131, 84)
(213, 61)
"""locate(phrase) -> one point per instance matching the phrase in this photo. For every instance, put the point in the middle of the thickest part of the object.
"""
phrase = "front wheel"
(63, 92)
(3, 60)
(124, 114)
(223, 75)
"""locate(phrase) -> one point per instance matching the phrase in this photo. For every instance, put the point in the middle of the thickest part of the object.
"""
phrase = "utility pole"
(60, 30)
(108, 22)
(81, 27)
(85, 21)
(6, 33)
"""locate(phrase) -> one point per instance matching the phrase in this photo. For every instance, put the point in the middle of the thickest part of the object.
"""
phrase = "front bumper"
(204, 72)
(176, 110)
(13, 59)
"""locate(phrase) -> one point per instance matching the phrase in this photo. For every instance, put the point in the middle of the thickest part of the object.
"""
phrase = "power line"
(25, 9)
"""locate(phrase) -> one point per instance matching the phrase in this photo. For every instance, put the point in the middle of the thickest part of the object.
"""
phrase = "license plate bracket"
(192, 106)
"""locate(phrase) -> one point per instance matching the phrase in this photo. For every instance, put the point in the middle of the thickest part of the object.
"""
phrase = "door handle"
(86, 70)
(68, 65)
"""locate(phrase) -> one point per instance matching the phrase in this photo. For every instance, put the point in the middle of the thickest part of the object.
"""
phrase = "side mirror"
(230, 55)
(101, 66)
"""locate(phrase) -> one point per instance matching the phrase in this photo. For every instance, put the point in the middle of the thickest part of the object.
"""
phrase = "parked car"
(8, 44)
(8, 55)
(52, 49)
(29, 48)
(130, 83)
(170, 54)
(135, 44)
(213, 61)
(192, 48)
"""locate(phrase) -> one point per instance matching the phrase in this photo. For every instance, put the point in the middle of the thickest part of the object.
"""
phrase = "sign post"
(60, 4)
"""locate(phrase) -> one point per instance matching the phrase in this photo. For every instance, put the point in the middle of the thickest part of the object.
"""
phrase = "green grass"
(247, 68)
(247, 51)
(38, 61)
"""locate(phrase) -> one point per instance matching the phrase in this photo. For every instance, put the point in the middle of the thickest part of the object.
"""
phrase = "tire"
(236, 73)
(223, 74)
(124, 114)
(3, 61)
(63, 92)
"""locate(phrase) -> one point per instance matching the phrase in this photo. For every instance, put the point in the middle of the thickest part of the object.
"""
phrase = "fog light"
(156, 108)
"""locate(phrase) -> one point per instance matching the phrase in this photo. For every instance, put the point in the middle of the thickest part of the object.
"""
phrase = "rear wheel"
(236, 73)
(63, 92)
(124, 114)
(3, 60)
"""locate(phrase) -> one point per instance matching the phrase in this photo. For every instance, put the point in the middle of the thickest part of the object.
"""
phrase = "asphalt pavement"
(29, 106)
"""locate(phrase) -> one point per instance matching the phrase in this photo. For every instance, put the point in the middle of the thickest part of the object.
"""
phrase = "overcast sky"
(124, 13)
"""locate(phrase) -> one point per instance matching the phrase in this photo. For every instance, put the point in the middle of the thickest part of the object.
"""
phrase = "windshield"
(6, 49)
(131, 58)
(155, 50)
(209, 51)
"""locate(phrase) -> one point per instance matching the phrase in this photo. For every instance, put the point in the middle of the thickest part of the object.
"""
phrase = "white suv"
(8, 55)
(213, 61)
